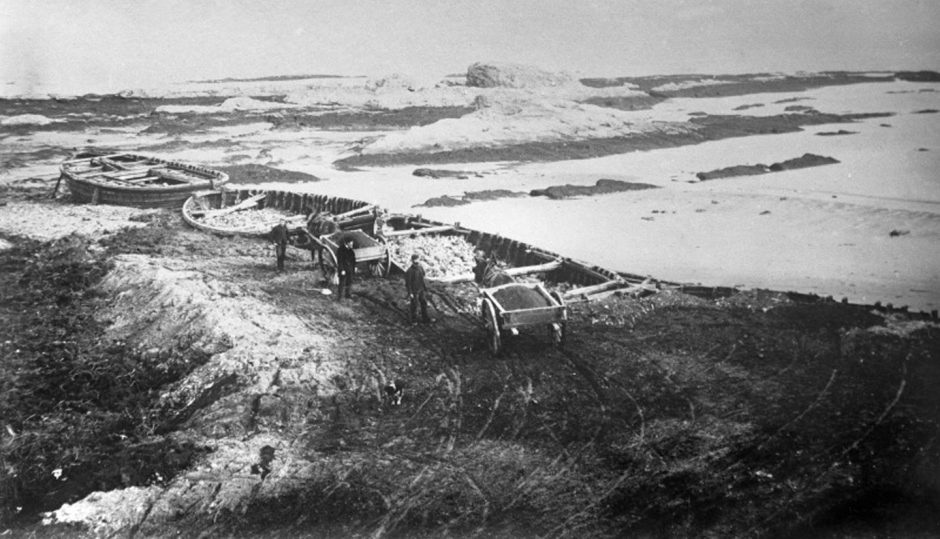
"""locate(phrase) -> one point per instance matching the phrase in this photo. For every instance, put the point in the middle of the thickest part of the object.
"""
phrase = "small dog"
(394, 392)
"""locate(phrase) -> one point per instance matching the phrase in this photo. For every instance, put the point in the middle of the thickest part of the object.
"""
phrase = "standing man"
(417, 291)
(346, 266)
(279, 237)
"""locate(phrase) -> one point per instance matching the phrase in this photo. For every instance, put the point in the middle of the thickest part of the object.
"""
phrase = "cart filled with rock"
(509, 307)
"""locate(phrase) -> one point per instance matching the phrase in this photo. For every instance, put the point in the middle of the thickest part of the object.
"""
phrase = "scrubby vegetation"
(667, 416)
(77, 408)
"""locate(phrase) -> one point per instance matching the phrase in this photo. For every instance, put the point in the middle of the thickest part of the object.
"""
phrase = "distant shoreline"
(685, 85)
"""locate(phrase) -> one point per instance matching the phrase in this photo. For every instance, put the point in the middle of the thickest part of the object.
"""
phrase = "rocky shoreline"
(164, 381)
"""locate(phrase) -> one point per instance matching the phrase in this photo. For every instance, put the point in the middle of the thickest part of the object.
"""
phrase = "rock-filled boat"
(407, 234)
(254, 212)
(448, 250)
(128, 179)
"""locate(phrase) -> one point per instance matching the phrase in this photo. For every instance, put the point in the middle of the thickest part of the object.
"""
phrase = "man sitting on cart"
(417, 291)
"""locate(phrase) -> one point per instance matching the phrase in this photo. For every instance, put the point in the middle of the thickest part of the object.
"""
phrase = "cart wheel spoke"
(381, 266)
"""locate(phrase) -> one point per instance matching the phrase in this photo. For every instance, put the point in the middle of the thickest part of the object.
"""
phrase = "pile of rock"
(515, 298)
(442, 256)
(500, 75)
(259, 219)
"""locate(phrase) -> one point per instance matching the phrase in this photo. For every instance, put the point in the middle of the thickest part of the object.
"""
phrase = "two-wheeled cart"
(370, 252)
(508, 307)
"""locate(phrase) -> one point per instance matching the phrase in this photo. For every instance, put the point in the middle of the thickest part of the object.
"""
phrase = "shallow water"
(824, 230)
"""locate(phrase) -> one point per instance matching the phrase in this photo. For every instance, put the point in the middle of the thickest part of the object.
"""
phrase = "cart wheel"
(492, 326)
(328, 266)
(381, 267)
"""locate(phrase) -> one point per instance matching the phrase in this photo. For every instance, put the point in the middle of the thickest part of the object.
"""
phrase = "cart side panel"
(373, 252)
(533, 317)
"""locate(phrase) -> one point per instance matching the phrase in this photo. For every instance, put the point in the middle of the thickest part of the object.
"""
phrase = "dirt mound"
(804, 161)
(254, 173)
(437, 173)
(470, 197)
(840, 132)
(601, 187)
(519, 297)
(445, 201)
(918, 76)
(505, 75)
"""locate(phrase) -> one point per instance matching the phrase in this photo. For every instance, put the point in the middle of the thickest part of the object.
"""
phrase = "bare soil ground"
(165, 363)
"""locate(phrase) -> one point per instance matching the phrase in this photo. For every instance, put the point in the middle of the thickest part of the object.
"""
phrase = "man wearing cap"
(346, 266)
(417, 291)
(279, 237)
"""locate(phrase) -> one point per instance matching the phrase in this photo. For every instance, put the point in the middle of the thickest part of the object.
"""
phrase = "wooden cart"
(508, 307)
(370, 252)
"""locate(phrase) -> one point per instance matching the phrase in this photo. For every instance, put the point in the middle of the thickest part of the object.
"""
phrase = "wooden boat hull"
(510, 252)
(589, 281)
(143, 181)
(291, 204)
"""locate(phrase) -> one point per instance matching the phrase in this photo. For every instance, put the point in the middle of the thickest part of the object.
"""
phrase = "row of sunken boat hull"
(127, 179)
(509, 251)
(101, 176)
(512, 252)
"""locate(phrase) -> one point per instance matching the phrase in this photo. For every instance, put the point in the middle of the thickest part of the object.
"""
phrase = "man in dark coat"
(279, 237)
(417, 290)
(346, 266)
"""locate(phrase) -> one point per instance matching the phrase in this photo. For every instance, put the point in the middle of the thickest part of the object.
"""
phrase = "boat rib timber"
(127, 179)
